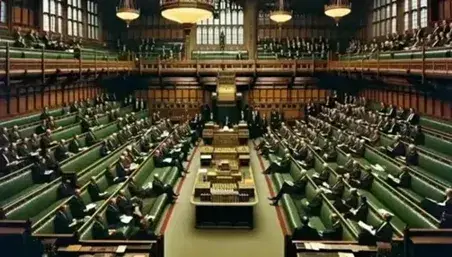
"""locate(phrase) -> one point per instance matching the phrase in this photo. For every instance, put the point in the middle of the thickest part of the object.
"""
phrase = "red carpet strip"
(179, 186)
(279, 211)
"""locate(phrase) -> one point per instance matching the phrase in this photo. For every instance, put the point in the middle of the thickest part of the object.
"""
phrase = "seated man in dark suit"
(323, 175)
(66, 189)
(104, 151)
(61, 152)
(412, 118)
(364, 181)
(102, 231)
(74, 145)
(85, 124)
(358, 148)
(279, 165)
(411, 157)
(161, 188)
(46, 140)
(397, 148)
(306, 232)
(6, 162)
(335, 232)
(394, 128)
(90, 139)
(145, 231)
(145, 145)
(34, 143)
(14, 134)
(112, 143)
(4, 138)
(40, 172)
(334, 191)
(347, 167)
(45, 114)
(129, 206)
(23, 150)
(137, 191)
(51, 162)
(360, 213)
(403, 179)
(417, 137)
(41, 128)
(330, 154)
(161, 161)
(113, 214)
(308, 162)
(63, 222)
(350, 202)
(95, 192)
(383, 233)
(122, 172)
(78, 207)
(291, 188)
(313, 207)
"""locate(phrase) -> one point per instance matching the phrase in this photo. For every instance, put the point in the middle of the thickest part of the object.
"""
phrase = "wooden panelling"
(21, 103)
(424, 104)
(290, 101)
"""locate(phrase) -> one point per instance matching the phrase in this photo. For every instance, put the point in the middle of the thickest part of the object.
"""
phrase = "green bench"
(440, 125)
(22, 183)
(438, 144)
(219, 55)
(29, 119)
(66, 121)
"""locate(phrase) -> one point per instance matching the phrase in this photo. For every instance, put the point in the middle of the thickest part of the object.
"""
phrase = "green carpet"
(182, 239)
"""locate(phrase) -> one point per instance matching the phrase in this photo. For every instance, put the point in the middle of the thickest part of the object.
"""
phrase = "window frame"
(55, 15)
(384, 13)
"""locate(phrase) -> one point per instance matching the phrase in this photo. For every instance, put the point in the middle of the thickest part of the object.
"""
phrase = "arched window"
(52, 11)
(3, 11)
(384, 17)
(93, 20)
(74, 18)
(415, 14)
(229, 21)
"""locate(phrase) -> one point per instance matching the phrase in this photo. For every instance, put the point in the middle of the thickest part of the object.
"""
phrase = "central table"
(231, 210)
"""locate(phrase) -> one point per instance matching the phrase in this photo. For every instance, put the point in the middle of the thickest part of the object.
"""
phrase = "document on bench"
(133, 166)
(366, 227)
(91, 206)
(48, 172)
(165, 133)
(168, 160)
(81, 149)
(206, 156)
(125, 219)
(378, 167)
(436, 202)
(397, 180)
(121, 249)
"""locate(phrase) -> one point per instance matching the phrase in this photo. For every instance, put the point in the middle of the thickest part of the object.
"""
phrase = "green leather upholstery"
(438, 144)
(29, 118)
(436, 124)
(218, 55)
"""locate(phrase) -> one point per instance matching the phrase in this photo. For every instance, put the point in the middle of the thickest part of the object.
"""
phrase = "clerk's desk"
(213, 134)
(211, 214)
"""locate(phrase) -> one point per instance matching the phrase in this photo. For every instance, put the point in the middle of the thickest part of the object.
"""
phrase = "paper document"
(206, 156)
(369, 228)
(125, 219)
(202, 171)
(168, 160)
(91, 206)
(147, 186)
(378, 167)
(121, 249)
(48, 172)
(83, 148)
(288, 182)
(133, 166)
(326, 190)
(165, 133)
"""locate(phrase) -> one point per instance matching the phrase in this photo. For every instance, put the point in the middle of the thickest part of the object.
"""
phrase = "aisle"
(182, 239)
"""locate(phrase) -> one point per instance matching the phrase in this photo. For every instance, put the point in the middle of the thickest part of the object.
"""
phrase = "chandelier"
(338, 9)
(127, 11)
(280, 15)
(187, 11)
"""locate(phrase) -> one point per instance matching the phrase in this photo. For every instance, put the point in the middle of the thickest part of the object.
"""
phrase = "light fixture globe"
(187, 11)
(338, 9)
(280, 16)
(127, 11)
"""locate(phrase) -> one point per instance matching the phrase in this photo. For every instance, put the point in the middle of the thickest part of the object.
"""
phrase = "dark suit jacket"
(100, 230)
(338, 188)
(120, 172)
(384, 232)
(62, 222)
(60, 153)
(103, 151)
(78, 207)
(90, 139)
(158, 187)
(74, 146)
(45, 142)
(413, 120)
(398, 149)
(113, 213)
(412, 159)
(40, 129)
(351, 201)
(362, 212)
(125, 205)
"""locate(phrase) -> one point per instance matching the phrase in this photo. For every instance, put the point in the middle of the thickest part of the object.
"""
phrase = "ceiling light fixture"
(127, 11)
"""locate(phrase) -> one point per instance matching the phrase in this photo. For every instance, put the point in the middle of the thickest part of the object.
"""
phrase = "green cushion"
(438, 144)
(28, 118)
(436, 124)
(437, 169)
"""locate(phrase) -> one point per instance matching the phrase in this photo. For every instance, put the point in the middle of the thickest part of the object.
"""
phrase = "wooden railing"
(441, 67)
